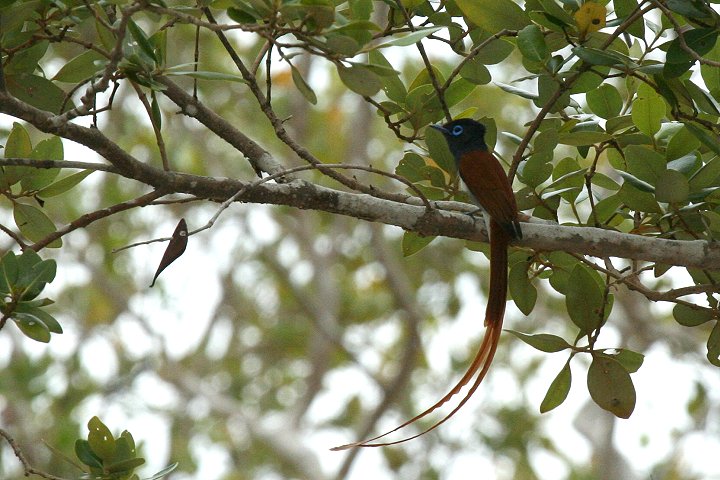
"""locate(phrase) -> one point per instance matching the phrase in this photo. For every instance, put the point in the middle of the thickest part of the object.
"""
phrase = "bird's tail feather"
(494, 312)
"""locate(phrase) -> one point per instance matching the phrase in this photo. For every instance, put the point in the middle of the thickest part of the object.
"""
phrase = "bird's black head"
(463, 135)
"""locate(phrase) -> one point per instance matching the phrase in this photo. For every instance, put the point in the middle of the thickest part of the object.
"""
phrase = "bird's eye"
(457, 130)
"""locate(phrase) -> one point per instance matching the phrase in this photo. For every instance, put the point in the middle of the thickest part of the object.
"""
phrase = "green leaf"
(494, 15)
(302, 85)
(623, 9)
(27, 59)
(610, 386)
(558, 391)
(439, 150)
(9, 271)
(86, 455)
(393, 86)
(636, 182)
(523, 292)
(101, 440)
(17, 145)
(474, 71)
(531, 43)
(163, 472)
(38, 91)
(595, 56)
(631, 361)
(142, 40)
(681, 143)
(50, 322)
(706, 176)
(48, 149)
(700, 40)
(360, 79)
(711, 73)
(32, 327)
(64, 184)
(544, 342)
(636, 199)
(34, 224)
(713, 345)
(81, 68)
(583, 138)
(672, 187)
(605, 101)
(409, 39)
(690, 317)
(648, 110)
(127, 465)
(409, 167)
(413, 243)
(206, 75)
(706, 138)
(584, 299)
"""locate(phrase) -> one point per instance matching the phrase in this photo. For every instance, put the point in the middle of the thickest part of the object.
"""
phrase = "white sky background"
(664, 383)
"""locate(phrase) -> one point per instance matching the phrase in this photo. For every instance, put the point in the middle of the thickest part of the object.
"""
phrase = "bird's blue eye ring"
(457, 130)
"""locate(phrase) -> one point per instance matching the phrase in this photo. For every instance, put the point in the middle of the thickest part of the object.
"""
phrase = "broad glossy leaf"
(27, 59)
(623, 9)
(582, 138)
(38, 91)
(393, 86)
(64, 184)
(410, 38)
(605, 101)
(34, 224)
(700, 40)
(672, 187)
(523, 292)
(544, 342)
(439, 150)
(610, 386)
(630, 360)
(86, 455)
(681, 143)
(690, 317)
(50, 322)
(558, 391)
(38, 178)
(638, 200)
(494, 15)
(409, 167)
(360, 79)
(531, 43)
(474, 71)
(17, 145)
(706, 138)
(32, 327)
(584, 299)
(648, 110)
(84, 66)
(706, 176)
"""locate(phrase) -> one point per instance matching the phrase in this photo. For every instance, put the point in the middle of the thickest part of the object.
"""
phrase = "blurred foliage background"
(283, 332)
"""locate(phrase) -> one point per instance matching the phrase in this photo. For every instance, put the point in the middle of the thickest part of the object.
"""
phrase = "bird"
(489, 188)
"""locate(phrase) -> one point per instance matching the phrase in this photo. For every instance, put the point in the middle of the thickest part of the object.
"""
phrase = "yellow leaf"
(590, 18)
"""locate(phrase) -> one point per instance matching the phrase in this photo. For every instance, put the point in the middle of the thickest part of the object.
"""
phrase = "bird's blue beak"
(440, 128)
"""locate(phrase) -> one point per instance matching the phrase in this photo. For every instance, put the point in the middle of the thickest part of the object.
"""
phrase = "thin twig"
(27, 468)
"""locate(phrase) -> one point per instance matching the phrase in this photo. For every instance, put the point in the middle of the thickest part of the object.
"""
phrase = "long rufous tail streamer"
(494, 312)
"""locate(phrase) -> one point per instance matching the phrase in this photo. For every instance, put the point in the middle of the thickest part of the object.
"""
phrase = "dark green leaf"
(706, 138)
(27, 59)
(558, 391)
(474, 71)
(706, 176)
(34, 224)
(610, 386)
(439, 150)
(302, 85)
(81, 68)
(127, 465)
(86, 455)
(531, 43)
(494, 15)
(583, 138)
(523, 292)
(631, 361)
(544, 342)
(605, 101)
(672, 187)
(360, 79)
(584, 299)
(32, 327)
(37, 91)
(691, 317)
(64, 184)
